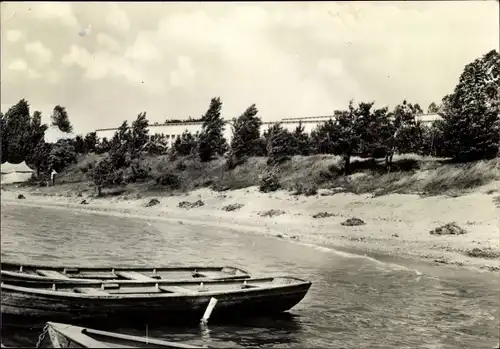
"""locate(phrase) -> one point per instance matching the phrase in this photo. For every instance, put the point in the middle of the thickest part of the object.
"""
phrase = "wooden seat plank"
(133, 275)
(92, 291)
(176, 289)
(52, 274)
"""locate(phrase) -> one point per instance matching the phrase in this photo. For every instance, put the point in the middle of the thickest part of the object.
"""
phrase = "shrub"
(487, 253)
(232, 207)
(323, 215)
(269, 181)
(307, 190)
(351, 222)
(448, 229)
(271, 213)
(169, 179)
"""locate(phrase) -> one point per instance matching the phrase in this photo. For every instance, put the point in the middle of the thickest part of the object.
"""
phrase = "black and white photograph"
(287, 174)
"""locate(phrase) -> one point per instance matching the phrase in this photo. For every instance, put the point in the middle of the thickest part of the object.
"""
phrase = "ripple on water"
(354, 302)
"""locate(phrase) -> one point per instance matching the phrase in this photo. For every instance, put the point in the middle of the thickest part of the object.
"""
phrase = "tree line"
(468, 130)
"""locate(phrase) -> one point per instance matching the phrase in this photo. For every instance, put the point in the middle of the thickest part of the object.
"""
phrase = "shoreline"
(396, 225)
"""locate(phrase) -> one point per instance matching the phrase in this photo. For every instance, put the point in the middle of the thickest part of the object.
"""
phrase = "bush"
(271, 213)
(323, 215)
(170, 180)
(187, 205)
(152, 202)
(269, 181)
(487, 253)
(351, 222)
(448, 229)
(232, 207)
(137, 173)
(307, 190)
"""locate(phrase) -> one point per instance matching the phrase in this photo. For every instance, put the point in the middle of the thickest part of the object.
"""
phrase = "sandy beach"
(398, 224)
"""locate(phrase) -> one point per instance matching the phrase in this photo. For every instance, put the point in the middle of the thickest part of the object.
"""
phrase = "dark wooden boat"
(14, 271)
(69, 336)
(166, 301)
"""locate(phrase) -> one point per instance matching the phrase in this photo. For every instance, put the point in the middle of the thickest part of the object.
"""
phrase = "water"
(354, 302)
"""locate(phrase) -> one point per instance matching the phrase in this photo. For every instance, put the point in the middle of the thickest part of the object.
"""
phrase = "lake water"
(354, 302)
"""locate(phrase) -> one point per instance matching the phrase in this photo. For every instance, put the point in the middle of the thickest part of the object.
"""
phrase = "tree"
(17, 126)
(470, 115)
(343, 134)
(348, 137)
(407, 128)
(323, 136)
(246, 133)
(301, 142)
(37, 128)
(105, 173)
(140, 132)
(111, 169)
(122, 136)
(79, 145)
(366, 118)
(373, 130)
(157, 145)
(103, 146)
(60, 119)
(211, 139)
(400, 131)
(432, 140)
(40, 158)
(61, 155)
(279, 144)
(90, 142)
(433, 108)
(185, 144)
(37, 132)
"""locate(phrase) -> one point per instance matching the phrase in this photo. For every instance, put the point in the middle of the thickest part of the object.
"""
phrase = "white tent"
(15, 173)
(10, 168)
(54, 134)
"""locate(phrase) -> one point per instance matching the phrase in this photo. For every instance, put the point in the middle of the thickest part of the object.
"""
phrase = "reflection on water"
(353, 302)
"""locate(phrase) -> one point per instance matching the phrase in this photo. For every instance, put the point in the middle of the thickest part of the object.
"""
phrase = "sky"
(107, 62)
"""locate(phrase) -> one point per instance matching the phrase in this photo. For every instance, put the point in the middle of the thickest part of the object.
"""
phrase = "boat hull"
(57, 306)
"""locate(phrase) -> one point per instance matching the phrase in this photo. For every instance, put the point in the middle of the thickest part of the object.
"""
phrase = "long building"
(172, 130)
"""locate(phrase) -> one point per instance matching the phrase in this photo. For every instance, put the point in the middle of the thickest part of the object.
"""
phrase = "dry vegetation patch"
(232, 207)
(448, 229)
(271, 213)
(351, 222)
(188, 205)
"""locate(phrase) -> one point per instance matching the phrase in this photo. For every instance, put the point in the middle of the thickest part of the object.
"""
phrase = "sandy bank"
(394, 224)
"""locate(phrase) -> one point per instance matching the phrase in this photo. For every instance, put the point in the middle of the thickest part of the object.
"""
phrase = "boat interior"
(148, 288)
(137, 274)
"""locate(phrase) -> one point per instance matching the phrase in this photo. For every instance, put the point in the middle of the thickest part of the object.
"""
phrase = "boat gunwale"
(55, 326)
(124, 267)
(85, 331)
(148, 296)
(20, 277)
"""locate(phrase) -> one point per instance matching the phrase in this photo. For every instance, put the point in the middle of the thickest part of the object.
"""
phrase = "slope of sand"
(394, 224)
